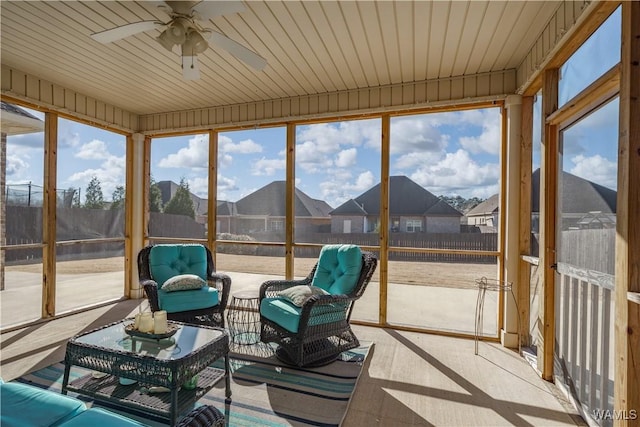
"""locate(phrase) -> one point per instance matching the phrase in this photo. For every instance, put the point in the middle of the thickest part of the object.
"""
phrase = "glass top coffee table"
(180, 363)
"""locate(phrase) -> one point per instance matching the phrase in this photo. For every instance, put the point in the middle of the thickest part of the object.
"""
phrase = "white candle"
(160, 322)
(136, 322)
(146, 322)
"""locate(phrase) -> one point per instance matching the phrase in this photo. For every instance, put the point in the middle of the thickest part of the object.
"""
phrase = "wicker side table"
(243, 318)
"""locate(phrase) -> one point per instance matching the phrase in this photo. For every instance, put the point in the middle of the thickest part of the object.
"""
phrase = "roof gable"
(406, 197)
(579, 195)
(488, 207)
(270, 200)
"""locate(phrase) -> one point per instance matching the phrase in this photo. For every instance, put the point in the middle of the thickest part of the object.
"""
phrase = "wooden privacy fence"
(584, 337)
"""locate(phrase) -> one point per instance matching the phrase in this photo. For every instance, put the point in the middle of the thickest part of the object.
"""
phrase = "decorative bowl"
(171, 330)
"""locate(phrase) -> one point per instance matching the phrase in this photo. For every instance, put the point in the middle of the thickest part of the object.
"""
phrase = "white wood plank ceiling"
(311, 47)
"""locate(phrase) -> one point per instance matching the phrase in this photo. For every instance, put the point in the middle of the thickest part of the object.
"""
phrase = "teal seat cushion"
(173, 302)
(286, 314)
(24, 405)
(166, 261)
(99, 417)
(338, 269)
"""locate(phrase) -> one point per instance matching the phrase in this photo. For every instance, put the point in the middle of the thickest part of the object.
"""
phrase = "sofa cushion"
(173, 302)
(24, 405)
(99, 417)
(338, 268)
(166, 261)
(287, 314)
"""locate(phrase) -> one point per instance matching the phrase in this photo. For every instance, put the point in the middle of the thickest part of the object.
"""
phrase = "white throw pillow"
(298, 295)
(183, 282)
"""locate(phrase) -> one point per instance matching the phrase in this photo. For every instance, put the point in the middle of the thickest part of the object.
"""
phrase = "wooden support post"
(49, 222)
(146, 176)
(524, 268)
(383, 265)
(212, 196)
(548, 189)
(290, 218)
(627, 316)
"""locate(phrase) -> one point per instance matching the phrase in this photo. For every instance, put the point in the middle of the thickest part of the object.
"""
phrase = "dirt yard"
(456, 275)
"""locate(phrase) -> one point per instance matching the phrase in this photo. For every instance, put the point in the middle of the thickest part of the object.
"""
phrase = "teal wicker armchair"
(312, 329)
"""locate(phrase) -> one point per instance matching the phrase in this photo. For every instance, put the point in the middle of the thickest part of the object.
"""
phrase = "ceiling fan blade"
(236, 49)
(117, 33)
(210, 9)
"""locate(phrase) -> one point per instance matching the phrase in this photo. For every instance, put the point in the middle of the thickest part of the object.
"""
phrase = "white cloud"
(596, 169)
(458, 173)
(341, 186)
(488, 141)
(195, 155)
(226, 145)
(416, 135)
(111, 174)
(199, 186)
(225, 186)
(318, 146)
(346, 158)
(267, 167)
(15, 166)
(93, 150)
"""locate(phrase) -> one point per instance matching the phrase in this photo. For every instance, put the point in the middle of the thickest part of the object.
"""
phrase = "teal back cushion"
(338, 268)
(166, 261)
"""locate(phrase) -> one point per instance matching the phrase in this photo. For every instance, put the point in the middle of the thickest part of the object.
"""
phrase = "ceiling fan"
(184, 29)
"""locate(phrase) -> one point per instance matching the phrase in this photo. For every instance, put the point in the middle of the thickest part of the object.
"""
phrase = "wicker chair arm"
(151, 290)
(316, 306)
(203, 416)
(226, 287)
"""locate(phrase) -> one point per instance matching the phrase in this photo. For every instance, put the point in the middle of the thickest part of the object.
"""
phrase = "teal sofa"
(23, 405)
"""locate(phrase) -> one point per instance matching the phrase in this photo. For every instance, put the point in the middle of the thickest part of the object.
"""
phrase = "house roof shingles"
(270, 200)
(405, 198)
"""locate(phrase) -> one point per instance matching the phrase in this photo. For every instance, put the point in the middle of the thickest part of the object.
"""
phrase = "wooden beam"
(524, 268)
(502, 219)
(146, 176)
(129, 256)
(212, 194)
(596, 94)
(290, 207)
(383, 264)
(548, 189)
(49, 221)
(627, 315)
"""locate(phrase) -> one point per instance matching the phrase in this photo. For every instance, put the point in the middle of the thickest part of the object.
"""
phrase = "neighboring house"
(264, 210)
(584, 204)
(485, 215)
(411, 209)
(168, 190)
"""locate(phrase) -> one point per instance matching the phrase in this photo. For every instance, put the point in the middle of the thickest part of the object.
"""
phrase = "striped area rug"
(265, 393)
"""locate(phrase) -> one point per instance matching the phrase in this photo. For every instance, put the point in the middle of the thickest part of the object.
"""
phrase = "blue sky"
(452, 154)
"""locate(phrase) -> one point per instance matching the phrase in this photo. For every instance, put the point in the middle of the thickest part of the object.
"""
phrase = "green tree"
(117, 198)
(155, 197)
(94, 198)
(181, 203)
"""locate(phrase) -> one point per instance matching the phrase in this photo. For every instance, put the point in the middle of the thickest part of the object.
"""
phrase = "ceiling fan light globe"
(177, 32)
(165, 40)
(194, 44)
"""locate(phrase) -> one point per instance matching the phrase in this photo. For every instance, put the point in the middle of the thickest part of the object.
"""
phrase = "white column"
(137, 212)
(509, 331)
